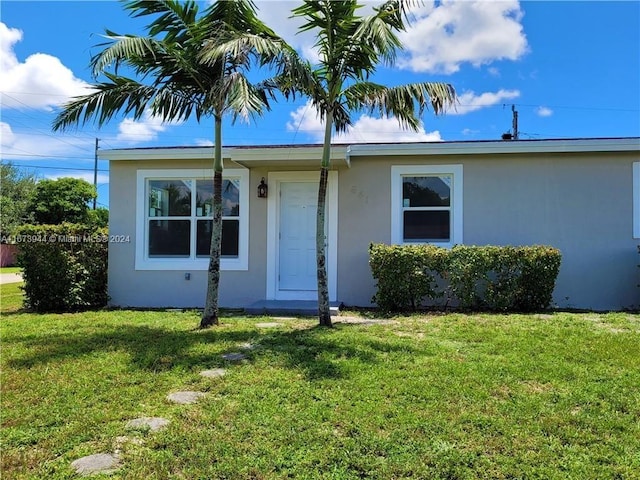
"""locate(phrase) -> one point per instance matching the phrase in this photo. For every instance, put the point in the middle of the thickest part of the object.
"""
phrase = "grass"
(422, 397)
(11, 296)
(10, 269)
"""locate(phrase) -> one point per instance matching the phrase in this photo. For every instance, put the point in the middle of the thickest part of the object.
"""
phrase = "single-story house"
(579, 195)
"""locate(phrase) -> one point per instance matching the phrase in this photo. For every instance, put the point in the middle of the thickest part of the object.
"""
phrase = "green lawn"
(10, 269)
(11, 296)
(422, 397)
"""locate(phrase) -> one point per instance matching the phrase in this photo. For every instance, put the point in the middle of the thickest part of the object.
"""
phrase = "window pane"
(426, 225)
(230, 238)
(230, 198)
(169, 198)
(169, 238)
(204, 198)
(429, 191)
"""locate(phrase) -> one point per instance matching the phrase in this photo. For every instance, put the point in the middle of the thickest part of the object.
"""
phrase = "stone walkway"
(108, 463)
(105, 463)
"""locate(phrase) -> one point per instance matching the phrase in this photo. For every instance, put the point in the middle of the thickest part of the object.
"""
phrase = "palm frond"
(177, 104)
(297, 77)
(110, 98)
(238, 50)
(377, 40)
(341, 117)
(332, 23)
(125, 49)
(175, 19)
(237, 15)
(406, 102)
(399, 12)
(243, 99)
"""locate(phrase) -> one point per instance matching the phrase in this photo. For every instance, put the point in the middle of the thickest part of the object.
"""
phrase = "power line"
(47, 134)
(631, 110)
(59, 168)
(35, 155)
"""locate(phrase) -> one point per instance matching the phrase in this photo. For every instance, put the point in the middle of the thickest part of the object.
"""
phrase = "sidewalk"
(10, 278)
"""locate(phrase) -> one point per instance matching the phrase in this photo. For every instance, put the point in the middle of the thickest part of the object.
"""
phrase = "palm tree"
(350, 49)
(175, 84)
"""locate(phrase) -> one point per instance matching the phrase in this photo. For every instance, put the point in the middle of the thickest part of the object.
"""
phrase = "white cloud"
(493, 71)
(277, 14)
(40, 82)
(439, 38)
(384, 130)
(7, 138)
(455, 32)
(544, 111)
(8, 38)
(470, 102)
(365, 129)
(34, 143)
(203, 142)
(143, 130)
(103, 178)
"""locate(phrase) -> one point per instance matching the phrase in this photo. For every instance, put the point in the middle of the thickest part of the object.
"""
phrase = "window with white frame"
(426, 204)
(175, 217)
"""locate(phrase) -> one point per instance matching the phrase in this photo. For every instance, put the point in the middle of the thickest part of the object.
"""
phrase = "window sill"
(226, 264)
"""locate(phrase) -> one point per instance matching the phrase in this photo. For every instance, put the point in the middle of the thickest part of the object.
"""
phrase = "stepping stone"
(268, 325)
(152, 424)
(93, 464)
(185, 398)
(234, 357)
(215, 373)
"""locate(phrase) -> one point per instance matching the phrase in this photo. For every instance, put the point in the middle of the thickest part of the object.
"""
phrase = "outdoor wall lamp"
(262, 189)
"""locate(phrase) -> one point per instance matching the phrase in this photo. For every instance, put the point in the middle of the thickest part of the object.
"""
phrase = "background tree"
(350, 49)
(175, 84)
(16, 188)
(62, 200)
(99, 217)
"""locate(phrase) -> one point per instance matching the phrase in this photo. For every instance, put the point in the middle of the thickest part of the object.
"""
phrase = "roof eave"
(498, 147)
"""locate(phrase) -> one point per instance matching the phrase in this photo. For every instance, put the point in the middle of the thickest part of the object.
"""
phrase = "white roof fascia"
(311, 155)
(136, 154)
(288, 155)
(497, 147)
(246, 156)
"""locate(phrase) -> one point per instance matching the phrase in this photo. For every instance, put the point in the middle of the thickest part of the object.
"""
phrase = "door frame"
(275, 180)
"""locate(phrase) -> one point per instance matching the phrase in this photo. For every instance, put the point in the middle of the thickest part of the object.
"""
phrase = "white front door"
(297, 237)
(291, 235)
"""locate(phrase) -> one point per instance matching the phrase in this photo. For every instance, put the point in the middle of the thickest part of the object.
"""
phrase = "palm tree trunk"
(210, 314)
(324, 313)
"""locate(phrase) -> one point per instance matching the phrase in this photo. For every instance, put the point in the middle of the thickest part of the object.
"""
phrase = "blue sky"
(572, 69)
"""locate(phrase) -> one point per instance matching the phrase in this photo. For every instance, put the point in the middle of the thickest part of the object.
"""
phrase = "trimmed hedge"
(64, 266)
(471, 277)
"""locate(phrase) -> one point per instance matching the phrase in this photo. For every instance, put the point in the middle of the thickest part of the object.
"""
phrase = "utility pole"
(515, 122)
(95, 173)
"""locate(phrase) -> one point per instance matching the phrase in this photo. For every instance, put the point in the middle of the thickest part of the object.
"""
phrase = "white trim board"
(398, 171)
(636, 200)
(273, 227)
(144, 263)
